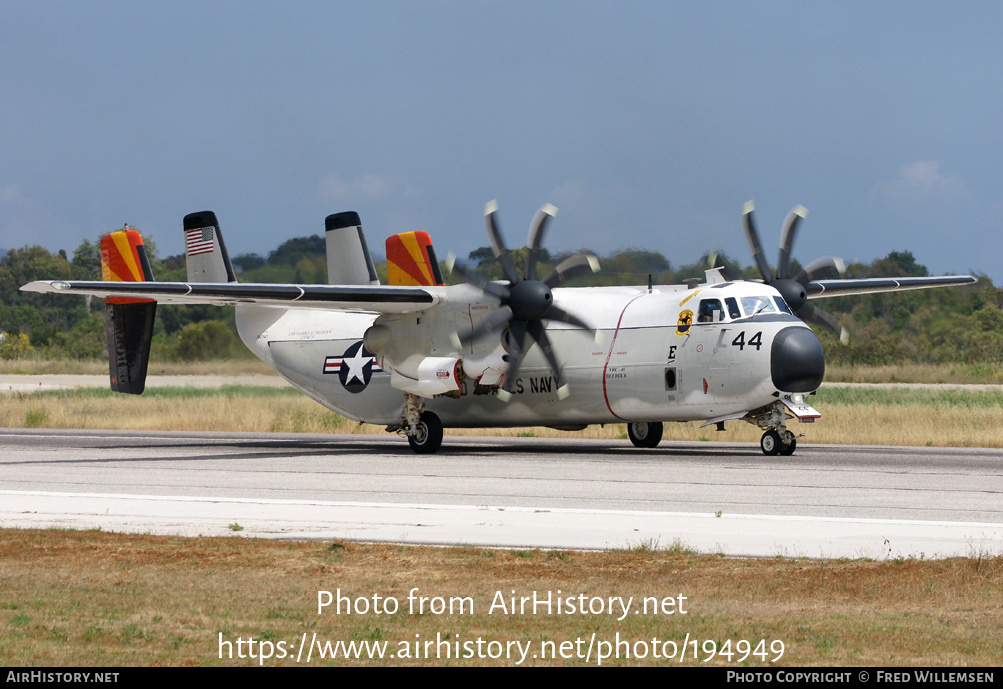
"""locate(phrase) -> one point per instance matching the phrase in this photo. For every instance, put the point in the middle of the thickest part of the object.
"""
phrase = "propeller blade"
(556, 313)
(820, 266)
(825, 319)
(481, 282)
(516, 350)
(493, 323)
(497, 243)
(570, 267)
(752, 237)
(787, 239)
(538, 333)
(536, 232)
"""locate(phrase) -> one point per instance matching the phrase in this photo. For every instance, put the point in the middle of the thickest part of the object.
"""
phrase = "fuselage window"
(710, 311)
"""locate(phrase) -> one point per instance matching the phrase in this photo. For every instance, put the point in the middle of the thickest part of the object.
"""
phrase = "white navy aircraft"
(417, 355)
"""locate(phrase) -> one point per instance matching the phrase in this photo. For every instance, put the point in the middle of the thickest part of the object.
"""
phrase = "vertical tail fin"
(129, 321)
(411, 260)
(348, 259)
(205, 251)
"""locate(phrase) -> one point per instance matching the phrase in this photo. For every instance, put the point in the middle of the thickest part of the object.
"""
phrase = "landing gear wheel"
(428, 434)
(644, 434)
(788, 449)
(770, 443)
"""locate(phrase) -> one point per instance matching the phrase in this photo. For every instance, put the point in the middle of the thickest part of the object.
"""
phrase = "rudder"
(129, 321)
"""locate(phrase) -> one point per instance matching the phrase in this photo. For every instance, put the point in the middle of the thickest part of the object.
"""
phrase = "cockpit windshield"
(756, 305)
(730, 308)
(782, 305)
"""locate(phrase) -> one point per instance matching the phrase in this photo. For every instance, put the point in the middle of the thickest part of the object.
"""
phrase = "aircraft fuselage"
(665, 354)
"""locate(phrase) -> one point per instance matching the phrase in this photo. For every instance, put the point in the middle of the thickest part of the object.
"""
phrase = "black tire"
(644, 434)
(789, 448)
(770, 443)
(428, 438)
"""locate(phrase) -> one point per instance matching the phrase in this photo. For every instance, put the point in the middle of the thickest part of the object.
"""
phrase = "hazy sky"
(648, 123)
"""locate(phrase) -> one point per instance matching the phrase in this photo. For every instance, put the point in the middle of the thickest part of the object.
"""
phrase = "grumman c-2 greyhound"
(417, 355)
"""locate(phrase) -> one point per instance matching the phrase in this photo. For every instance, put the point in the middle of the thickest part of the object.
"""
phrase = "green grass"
(185, 392)
(930, 397)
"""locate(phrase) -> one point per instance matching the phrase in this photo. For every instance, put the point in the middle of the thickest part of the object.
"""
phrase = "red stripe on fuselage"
(609, 355)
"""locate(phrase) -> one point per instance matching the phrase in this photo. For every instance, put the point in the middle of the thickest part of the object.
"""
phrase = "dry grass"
(967, 418)
(235, 409)
(87, 598)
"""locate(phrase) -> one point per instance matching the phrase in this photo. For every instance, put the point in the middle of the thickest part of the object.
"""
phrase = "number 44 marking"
(754, 341)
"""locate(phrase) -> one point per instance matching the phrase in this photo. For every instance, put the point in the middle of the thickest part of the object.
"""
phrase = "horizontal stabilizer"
(358, 298)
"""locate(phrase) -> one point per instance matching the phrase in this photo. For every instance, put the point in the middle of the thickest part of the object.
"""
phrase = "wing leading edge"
(362, 298)
(818, 289)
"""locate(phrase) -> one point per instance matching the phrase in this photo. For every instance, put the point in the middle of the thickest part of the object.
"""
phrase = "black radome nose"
(797, 362)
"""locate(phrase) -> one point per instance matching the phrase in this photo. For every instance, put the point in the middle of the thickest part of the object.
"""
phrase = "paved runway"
(826, 501)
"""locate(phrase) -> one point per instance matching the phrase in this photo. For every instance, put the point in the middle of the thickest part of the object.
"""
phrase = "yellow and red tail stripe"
(411, 260)
(123, 259)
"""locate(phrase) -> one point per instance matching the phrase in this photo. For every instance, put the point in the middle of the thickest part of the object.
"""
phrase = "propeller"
(793, 289)
(526, 302)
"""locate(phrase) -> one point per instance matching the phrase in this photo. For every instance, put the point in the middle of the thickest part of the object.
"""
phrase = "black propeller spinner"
(525, 302)
(793, 289)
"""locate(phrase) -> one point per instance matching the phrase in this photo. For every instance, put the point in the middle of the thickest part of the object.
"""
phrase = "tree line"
(927, 326)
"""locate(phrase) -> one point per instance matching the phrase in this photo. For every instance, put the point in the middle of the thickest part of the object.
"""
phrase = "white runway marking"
(501, 526)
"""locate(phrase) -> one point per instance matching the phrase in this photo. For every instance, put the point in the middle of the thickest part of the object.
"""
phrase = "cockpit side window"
(710, 311)
(732, 305)
(782, 305)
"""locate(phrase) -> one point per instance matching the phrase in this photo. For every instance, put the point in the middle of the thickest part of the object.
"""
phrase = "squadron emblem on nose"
(684, 323)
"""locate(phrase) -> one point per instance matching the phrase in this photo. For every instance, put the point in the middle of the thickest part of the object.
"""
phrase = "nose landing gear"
(777, 440)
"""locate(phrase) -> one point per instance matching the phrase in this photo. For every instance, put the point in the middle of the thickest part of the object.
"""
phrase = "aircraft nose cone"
(797, 362)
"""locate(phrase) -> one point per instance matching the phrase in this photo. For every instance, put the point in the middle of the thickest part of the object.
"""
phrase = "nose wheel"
(773, 443)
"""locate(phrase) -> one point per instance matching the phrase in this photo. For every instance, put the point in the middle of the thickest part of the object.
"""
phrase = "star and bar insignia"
(354, 368)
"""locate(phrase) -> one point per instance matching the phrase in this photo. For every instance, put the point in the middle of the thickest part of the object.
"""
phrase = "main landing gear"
(644, 434)
(427, 436)
(422, 428)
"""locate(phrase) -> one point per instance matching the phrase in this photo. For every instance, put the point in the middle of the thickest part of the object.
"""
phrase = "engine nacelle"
(436, 376)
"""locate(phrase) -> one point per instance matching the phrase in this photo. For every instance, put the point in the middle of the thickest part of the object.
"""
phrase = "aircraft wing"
(840, 287)
(362, 298)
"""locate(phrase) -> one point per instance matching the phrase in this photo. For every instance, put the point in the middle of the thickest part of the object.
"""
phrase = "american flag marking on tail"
(199, 241)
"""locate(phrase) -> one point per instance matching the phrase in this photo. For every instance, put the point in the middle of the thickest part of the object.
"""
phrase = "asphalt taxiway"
(825, 501)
